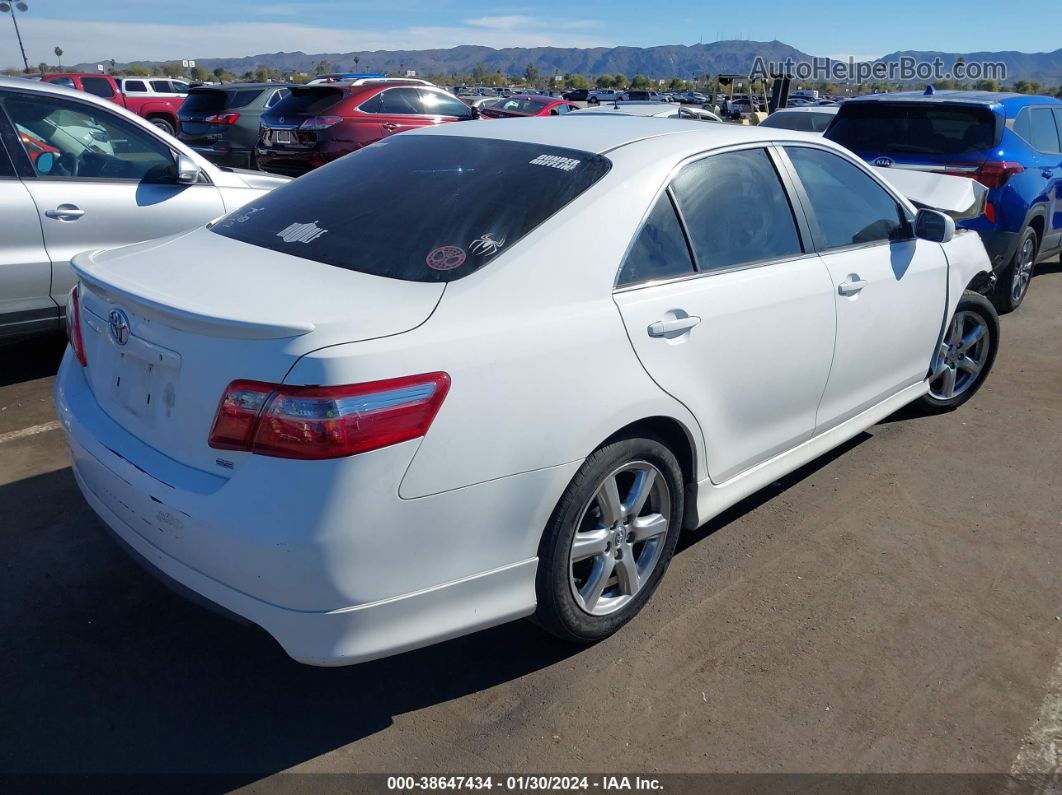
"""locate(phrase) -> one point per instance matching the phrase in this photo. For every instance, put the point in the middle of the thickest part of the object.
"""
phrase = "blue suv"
(1011, 143)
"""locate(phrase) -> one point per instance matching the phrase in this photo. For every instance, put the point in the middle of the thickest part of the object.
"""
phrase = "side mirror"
(475, 112)
(934, 225)
(45, 162)
(187, 170)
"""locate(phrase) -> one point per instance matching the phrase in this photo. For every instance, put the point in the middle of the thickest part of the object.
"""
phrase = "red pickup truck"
(160, 111)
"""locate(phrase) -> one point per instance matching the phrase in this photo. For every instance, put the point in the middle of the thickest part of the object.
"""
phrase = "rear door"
(743, 334)
(889, 287)
(1044, 135)
(25, 269)
(115, 187)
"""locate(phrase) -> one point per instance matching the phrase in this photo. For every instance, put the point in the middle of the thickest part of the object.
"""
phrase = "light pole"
(12, 7)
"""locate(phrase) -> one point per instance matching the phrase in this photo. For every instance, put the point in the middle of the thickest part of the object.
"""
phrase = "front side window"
(851, 208)
(736, 210)
(424, 208)
(100, 86)
(71, 139)
(659, 251)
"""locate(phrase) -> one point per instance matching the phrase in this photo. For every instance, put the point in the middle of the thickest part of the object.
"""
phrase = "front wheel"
(610, 539)
(966, 354)
(1013, 284)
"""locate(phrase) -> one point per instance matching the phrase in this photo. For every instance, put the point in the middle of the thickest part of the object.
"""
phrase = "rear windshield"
(214, 100)
(308, 100)
(914, 128)
(803, 122)
(423, 208)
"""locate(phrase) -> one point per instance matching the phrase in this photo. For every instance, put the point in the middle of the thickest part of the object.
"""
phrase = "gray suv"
(77, 173)
(221, 122)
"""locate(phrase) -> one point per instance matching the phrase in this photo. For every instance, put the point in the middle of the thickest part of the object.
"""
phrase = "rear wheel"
(966, 354)
(1013, 284)
(609, 540)
(162, 123)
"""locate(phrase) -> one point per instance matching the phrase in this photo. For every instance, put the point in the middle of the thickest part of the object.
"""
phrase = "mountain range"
(655, 62)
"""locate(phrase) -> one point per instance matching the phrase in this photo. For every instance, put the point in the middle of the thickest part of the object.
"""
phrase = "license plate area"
(137, 384)
(282, 136)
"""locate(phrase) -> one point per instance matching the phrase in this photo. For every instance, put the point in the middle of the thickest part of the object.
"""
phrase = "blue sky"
(165, 29)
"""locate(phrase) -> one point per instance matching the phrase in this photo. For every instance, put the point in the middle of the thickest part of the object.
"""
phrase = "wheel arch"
(681, 442)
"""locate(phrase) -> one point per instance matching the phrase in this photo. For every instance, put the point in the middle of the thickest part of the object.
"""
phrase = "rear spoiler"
(960, 197)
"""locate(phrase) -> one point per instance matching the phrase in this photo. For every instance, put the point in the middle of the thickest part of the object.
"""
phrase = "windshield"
(519, 105)
(803, 122)
(425, 208)
(915, 128)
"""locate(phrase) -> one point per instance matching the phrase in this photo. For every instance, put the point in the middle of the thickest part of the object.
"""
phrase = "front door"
(108, 182)
(889, 287)
(743, 337)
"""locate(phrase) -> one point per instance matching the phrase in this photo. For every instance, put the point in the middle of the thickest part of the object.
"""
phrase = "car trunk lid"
(170, 323)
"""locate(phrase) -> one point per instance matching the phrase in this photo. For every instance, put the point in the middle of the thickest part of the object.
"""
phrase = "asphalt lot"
(895, 606)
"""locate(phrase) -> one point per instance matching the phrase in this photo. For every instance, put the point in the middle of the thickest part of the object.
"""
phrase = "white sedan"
(405, 397)
(656, 110)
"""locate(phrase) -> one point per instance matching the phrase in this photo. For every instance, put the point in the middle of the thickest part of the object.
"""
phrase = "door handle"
(65, 212)
(1047, 172)
(390, 126)
(851, 287)
(663, 327)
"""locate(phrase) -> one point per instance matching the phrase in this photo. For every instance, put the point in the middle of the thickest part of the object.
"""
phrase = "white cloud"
(130, 41)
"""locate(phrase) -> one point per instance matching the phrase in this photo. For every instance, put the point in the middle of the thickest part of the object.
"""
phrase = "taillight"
(222, 118)
(995, 173)
(73, 324)
(320, 122)
(991, 173)
(990, 212)
(315, 422)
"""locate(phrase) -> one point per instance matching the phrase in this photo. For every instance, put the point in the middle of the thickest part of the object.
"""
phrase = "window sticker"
(555, 161)
(445, 258)
(485, 246)
(301, 233)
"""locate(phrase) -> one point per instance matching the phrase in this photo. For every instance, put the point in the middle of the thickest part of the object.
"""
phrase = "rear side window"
(99, 86)
(850, 207)
(133, 85)
(659, 251)
(424, 208)
(63, 81)
(438, 103)
(914, 128)
(736, 210)
(401, 102)
(308, 100)
(1043, 134)
(162, 86)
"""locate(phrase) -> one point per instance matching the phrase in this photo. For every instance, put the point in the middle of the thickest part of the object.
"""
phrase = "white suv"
(152, 86)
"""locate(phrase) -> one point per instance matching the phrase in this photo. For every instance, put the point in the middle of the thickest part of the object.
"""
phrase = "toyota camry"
(407, 397)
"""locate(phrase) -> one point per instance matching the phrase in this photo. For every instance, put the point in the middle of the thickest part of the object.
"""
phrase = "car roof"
(239, 86)
(630, 109)
(810, 109)
(1008, 100)
(588, 132)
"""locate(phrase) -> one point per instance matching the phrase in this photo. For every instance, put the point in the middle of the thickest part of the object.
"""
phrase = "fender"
(158, 107)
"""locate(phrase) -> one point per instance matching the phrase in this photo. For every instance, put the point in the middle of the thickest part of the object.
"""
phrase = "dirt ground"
(895, 606)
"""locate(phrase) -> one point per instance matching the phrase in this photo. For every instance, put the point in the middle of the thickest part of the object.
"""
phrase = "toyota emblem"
(119, 324)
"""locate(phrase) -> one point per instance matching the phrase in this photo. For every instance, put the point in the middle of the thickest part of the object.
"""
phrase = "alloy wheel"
(962, 356)
(620, 537)
(1023, 270)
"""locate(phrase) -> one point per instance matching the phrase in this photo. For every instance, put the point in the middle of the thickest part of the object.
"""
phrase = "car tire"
(593, 101)
(162, 124)
(966, 355)
(1013, 283)
(602, 554)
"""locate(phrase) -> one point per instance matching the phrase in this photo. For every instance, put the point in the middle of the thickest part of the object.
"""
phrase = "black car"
(577, 95)
(221, 122)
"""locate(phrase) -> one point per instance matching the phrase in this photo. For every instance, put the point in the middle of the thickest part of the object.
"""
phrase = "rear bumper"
(329, 592)
(999, 244)
(293, 162)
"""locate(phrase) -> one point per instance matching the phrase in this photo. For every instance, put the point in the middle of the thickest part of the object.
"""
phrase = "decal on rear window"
(485, 246)
(555, 161)
(445, 258)
(301, 233)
